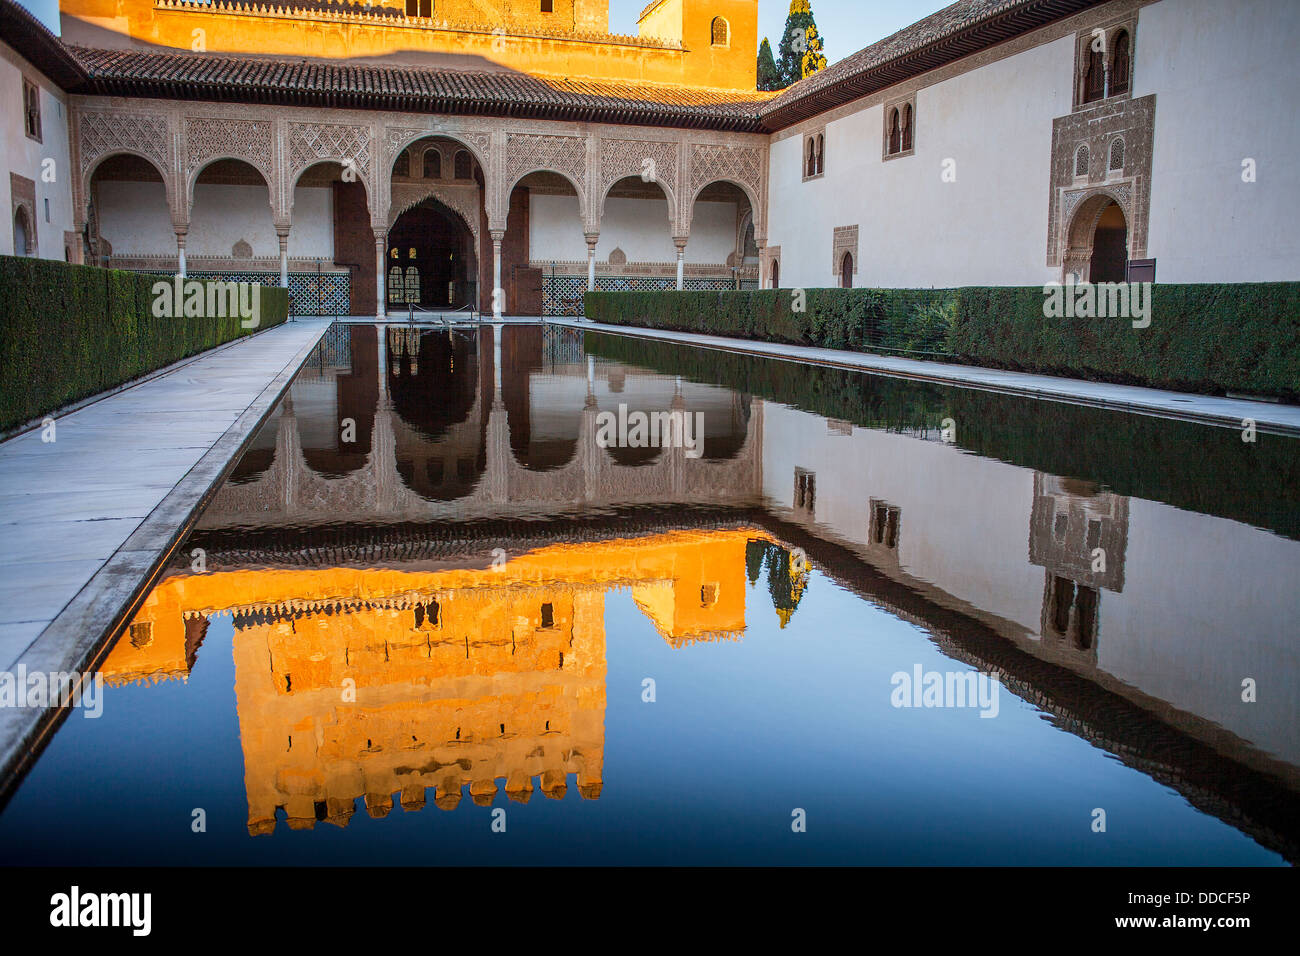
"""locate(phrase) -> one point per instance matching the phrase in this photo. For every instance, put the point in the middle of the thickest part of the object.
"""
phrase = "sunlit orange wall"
(116, 23)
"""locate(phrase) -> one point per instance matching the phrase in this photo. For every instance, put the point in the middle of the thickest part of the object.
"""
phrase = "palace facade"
(421, 153)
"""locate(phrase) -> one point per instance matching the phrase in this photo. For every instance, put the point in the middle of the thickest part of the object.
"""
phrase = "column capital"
(497, 234)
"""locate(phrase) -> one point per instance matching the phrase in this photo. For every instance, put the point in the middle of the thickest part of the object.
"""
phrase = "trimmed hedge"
(70, 331)
(1242, 337)
(856, 319)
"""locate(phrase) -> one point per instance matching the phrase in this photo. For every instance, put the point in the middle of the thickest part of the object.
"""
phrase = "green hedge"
(858, 319)
(70, 331)
(1242, 337)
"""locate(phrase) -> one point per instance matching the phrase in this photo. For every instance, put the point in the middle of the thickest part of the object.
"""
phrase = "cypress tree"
(794, 63)
(769, 77)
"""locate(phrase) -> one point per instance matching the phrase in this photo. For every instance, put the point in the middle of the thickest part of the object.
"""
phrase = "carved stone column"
(381, 243)
(680, 243)
(592, 239)
(180, 254)
(498, 294)
(282, 234)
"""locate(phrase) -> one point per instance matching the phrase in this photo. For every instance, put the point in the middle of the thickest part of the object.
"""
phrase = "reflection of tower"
(443, 690)
(1079, 534)
(367, 682)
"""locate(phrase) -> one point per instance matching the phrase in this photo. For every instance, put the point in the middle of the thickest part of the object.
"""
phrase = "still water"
(446, 610)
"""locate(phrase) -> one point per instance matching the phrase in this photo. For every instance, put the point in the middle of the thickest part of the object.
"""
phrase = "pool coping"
(78, 638)
(1269, 417)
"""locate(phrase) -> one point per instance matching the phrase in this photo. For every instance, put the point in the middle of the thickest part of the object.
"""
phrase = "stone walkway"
(84, 519)
(1268, 417)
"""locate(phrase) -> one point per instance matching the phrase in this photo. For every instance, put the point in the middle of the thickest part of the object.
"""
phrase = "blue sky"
(846, 25)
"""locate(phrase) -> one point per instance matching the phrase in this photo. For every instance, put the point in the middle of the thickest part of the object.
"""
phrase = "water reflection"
(420, 551)
(396, 680)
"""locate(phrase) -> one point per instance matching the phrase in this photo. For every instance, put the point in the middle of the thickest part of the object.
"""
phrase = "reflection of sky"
(740, 734)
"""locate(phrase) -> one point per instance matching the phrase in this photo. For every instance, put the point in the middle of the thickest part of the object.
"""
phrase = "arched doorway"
(846, 271)
(1109, 246)
(430, 258)
(1096, 248)
(776, 273)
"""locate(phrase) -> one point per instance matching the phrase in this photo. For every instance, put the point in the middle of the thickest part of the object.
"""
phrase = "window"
(548, 6)
(31, 110)
(432, 164)
(900, 127)
(1081, 159)
(1094, 80)
(805, 490)
(403, 165)
(1120, 63)
(463, 166)
(428, 616)
(412, 285)
(141, 634)
(47, 209)
(1116, 154)
(719, 31)
(396, 290)
(419, 8)
(885, 519)
(814, 154)
(548, 615)
(708, 595)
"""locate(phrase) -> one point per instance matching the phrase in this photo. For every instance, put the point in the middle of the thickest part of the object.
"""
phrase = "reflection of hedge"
(1210, 338)
(1196, 467)
(70, 331)
(869, 401)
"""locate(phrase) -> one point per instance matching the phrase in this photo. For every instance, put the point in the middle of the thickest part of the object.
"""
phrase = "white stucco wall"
(640, 227)
(25, 156)
(1226, 79)
(988, 227)
(134, 217)
(1227, 82)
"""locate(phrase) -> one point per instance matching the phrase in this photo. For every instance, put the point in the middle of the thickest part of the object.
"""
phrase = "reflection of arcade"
(451, 426)
(384, 681)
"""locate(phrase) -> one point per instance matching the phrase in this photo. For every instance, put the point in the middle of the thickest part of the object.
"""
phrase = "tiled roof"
(38, 45)
(957, 31)
(329, 83)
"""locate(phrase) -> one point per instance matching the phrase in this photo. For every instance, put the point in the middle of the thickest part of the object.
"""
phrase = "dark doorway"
(1109, 246)
(846, 271)
(430, 259)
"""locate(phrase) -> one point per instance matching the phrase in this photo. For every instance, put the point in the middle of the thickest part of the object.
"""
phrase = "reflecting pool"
(454, 606)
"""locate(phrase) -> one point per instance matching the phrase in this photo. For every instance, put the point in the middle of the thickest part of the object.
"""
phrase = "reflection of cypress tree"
(783, 584)
(754, 552)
